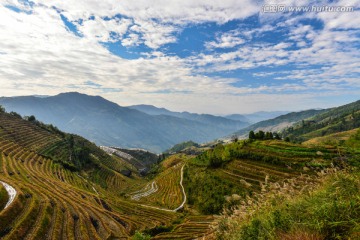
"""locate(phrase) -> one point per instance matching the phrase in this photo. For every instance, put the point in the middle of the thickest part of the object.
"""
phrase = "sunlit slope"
(331, 139)
(68, 188)
(334, 120)
(59, 202)
(164, 190)
(247, 167)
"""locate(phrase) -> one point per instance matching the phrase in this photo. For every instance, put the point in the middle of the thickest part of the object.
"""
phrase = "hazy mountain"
(107, 123)
(279, 123)
(238, 117)
(256, 116)
(203, 118)
(152, 110)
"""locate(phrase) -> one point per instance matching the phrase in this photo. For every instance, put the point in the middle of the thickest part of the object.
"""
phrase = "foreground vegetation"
(243, 168)
(324, 206)
(329, 211)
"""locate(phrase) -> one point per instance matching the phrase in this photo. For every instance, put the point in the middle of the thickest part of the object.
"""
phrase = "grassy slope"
(335, 120)
(278, 123)
(331, 139)
(328, 208)
(329, 211)
(242, 168)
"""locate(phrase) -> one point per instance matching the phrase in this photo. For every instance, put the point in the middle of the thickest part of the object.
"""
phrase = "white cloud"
(131, 40)
(45, 58)
(39, 56)
(156, 20)
(154, 34)
(104, 30)
(226, 40)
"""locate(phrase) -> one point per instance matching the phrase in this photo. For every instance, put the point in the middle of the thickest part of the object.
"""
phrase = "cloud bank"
(238, 58)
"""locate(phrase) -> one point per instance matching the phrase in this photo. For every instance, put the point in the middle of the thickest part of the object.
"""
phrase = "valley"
(62, 186)
(179, 120)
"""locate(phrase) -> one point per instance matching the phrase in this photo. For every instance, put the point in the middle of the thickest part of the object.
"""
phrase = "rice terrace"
(187, 120)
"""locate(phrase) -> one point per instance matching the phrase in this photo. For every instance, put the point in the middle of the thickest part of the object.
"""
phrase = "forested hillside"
(334, 120)
(278, 123)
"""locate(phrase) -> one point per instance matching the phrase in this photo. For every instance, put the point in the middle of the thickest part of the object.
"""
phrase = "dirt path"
(11, 191)
(183, 191)
(150, 189)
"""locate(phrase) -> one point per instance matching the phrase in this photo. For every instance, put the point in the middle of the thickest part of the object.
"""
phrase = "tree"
(140, 236)
(215, 156)
(252, 135)
(234, 138)
(271, 136)
(31, 118)
(268, 135)
(277, 136)
(2, 109)
(15, 114)
(260, 135)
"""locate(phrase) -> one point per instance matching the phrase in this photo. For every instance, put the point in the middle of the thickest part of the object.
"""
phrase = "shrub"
(140, 236)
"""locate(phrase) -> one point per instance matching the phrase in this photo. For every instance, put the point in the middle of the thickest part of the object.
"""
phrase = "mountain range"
(248, 118)
(307, 124)
(256, 116)
(277, 124)
(145, 126)
(107, 123)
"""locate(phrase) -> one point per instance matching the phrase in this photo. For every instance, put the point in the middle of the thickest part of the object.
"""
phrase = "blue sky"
(201, 56)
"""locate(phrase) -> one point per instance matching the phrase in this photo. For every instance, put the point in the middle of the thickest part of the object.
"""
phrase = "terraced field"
(332, 139)
(245, 168)
(4, 197)
(53, 202)
(193, 227)
(31, 137)
(254, 176)
(165, 190)
(67, 188)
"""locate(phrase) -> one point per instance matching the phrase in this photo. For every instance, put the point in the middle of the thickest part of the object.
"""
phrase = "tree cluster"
(261, 135)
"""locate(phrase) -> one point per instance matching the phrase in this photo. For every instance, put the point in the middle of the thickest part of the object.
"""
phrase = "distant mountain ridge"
(109, 124)
(279, 123)
(304, 125)
(203, 118)
(333, 120)
(250, 118)
(256, 116)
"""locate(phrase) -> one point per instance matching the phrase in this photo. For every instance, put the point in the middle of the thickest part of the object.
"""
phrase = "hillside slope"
(67, 188)
(109, 124)
(202, 118)
(327, 206)
(334, 120)
(278, 123)
(257, 116)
